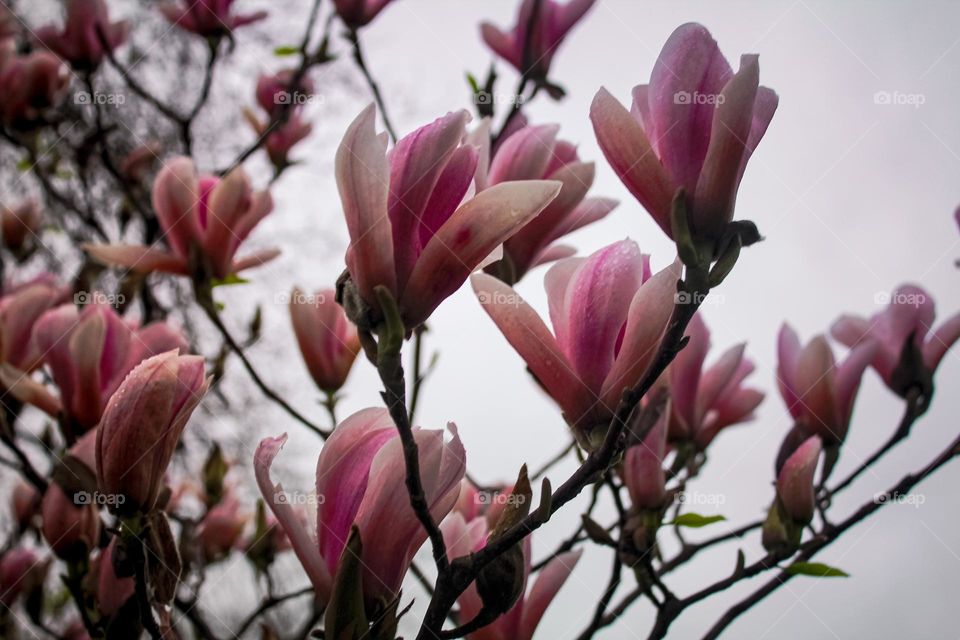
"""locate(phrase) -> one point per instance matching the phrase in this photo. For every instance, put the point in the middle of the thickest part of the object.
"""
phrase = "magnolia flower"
(20, 226)
(203, 214)
(609, 317)
(520, 622)
(409, 231)
(18, 574)
(489, 505)
(142, 425)
(361, 482)
(19, 311)
(819, 393)
(136, 164)
(694, 126)
(80, 42)
(31, 84)
(534, 153)
(89, 354)
(795, 489)
(280, 138)
(328, 341)
(704, 401)
(208, 18)
(909, 316)
(221, 527)
(359, 13)
(24, 500)
(70, 527)
(112, 590)
(642, 468)
(553, 21)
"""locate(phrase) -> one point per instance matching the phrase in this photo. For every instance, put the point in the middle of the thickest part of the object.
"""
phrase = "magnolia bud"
(70, 529)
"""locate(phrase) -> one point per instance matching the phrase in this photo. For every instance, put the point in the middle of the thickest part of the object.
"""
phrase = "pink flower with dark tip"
(705, 400)
(141, 426)
(818, 392)
(87, 26)
(208, 18)
(795, 488)
(413, 228)
(89, 353)
(30, 84)
(464, 537)
(361, 482)
(359, 13)
(642, 470)
(909, 316)
(535, 153)
(609, 317)
(328, 341)
(552, 22)
(694, 126)
(200, 215)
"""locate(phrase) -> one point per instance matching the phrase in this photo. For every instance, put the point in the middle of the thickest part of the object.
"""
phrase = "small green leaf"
(695, 520)
(286, 50)
(816, 569)
(474, 85)
(231, 279)
(24, 165)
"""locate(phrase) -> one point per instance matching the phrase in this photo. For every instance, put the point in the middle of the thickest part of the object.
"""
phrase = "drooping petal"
(137, 258)
(940, 341)
(716, 379)
(849, 374)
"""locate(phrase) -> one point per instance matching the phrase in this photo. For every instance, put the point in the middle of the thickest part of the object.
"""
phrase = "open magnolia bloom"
(80, 43)
(609, 317)
(200, 215)
(361, 482)
(464, 537)
(704, 401)
(534, 153)
(818, 392)
(553, 21)
(413, 228)
(208, 18)
(694, 126)
(89, 353)
(908, 347)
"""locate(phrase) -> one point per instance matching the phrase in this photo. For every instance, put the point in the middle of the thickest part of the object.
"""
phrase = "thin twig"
(354, 38)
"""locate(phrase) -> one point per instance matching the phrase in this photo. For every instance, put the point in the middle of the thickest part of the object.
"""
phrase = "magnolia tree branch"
(354, 38)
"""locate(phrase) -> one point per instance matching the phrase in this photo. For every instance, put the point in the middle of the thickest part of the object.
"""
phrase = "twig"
(354, 38)
(267, 604)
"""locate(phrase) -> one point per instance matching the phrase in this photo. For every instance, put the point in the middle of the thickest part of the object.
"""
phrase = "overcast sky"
(854, 198)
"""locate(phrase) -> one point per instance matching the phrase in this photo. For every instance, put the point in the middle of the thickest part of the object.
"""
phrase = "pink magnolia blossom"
(280, 138)
(534, 153)
(17, 568)
(20, 226)
(328, 341)
(89, 353)
(818, 392)
(208, 18)
(553, 22)
(521, 621)
(474, 503)
(910, 315)
(694, 126)
(79, 43)
(642, 468)
(360, 482)
(24, 500)
(20, 309)
(71, 529)
(795, 488)
(112, 590)
(410, 229)
(222, 526)
(198, 213)
(359, 13)
(142, 424)
(704, 401)
(609, 317)
(30, 85)
(137, 164)
(273, 91)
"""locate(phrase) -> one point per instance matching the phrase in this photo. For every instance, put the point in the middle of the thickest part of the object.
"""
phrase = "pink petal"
(176, 191)
(254, 260)
(627, 149)
(849, 374)
(137, 258)
(788, 355)
(940, 341)
(763, 110)
(557, 283)
(470, 235)
(685, 375)
(501, 43)
(717, 378)
(643, 472)
(795, 482)
(553, 253)
(816, 382)
(736, 408)
(549, 581)
(525, 155)
(27, 390)
(303, 545)
(363, 178)
(451, 188)
(849, 330)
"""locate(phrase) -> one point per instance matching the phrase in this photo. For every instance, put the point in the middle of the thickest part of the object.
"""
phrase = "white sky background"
(853, 198)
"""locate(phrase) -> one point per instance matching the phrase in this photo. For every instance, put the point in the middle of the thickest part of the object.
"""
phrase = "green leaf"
(816, 569)
(230, 280)
(24, 165)
(286, 50)
(474, 85)
(695, 520)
